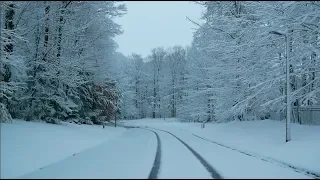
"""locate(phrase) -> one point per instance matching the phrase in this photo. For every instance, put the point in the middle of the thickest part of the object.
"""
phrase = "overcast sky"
(150, 24)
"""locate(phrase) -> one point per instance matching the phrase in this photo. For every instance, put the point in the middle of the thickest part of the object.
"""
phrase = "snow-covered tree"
(67, 48)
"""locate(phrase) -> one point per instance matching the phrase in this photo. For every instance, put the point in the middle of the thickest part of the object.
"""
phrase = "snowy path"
(232, 164)
(178, 161)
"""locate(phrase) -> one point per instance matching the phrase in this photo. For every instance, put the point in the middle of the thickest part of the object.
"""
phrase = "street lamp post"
(288, 119)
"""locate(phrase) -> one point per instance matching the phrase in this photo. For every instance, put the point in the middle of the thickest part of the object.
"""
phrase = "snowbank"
(28, 146)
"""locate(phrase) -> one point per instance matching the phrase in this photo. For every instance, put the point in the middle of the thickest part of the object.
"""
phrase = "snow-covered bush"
(4, 114)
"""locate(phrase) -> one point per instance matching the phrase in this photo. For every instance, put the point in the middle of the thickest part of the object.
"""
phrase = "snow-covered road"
(131, 155)
(232, 164)
(177, 160)
(182, 155)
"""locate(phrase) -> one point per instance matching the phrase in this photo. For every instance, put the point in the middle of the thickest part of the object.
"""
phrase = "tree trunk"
(61, 22)
(173, 98)
(313, 63)
(137, 96)
(9, 46)
(158, 90)
(46, 31)
(154, 97)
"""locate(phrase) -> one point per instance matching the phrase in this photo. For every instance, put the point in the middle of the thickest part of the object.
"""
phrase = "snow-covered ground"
(39, 150)
(130, 155)
(28, 146)
(262, 138)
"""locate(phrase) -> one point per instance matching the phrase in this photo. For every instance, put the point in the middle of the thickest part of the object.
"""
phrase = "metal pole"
(288, 119)
(288, 94)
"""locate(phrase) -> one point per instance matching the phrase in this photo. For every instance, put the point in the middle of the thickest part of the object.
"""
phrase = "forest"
(59, 62)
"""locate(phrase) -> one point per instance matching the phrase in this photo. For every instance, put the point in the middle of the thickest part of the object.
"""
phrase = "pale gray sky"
(150, 24)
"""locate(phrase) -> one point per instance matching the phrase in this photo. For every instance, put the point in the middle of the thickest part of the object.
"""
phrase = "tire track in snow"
(266, 159)
(214, 174)
(157, 160)
(156, 164)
